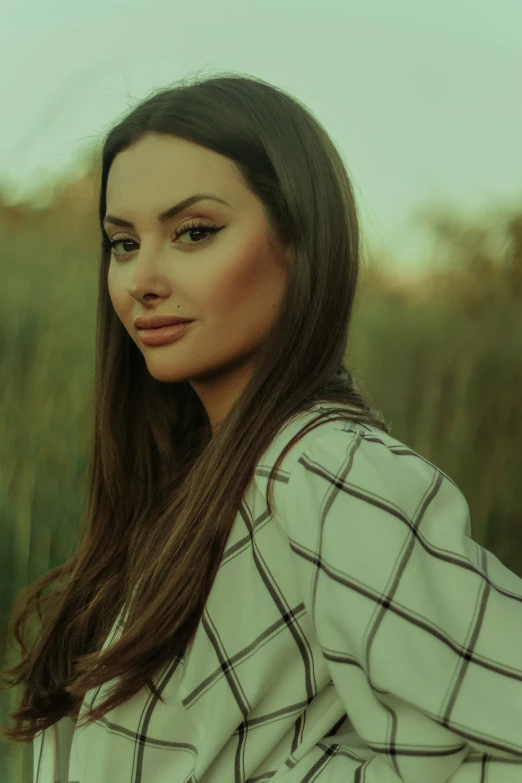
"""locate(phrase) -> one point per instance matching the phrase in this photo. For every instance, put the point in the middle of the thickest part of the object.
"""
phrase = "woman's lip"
(163, 334)
(160, 323)
(162, 326)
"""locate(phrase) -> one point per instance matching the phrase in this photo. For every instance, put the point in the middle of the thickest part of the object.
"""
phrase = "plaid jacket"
(357, 635)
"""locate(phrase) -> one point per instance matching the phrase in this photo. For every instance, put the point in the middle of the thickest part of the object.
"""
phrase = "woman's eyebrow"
(163, 217)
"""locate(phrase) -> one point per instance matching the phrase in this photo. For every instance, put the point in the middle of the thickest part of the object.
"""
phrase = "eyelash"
(110, 244)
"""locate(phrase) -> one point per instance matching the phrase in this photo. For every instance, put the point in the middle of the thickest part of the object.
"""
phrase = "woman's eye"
(198, 228)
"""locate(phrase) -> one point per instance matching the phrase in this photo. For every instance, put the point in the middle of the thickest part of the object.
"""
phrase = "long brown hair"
(163, 492)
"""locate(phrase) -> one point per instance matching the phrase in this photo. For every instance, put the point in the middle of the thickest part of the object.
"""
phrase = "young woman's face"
(231, 283)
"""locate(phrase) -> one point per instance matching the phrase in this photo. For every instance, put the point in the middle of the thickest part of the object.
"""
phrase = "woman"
(268, 585)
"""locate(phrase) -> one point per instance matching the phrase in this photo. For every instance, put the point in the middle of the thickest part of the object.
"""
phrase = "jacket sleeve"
(421, 627)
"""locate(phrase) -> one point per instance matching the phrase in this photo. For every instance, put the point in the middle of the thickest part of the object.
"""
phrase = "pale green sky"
(424, 101)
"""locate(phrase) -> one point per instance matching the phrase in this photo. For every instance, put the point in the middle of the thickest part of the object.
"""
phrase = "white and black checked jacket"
(357, 635)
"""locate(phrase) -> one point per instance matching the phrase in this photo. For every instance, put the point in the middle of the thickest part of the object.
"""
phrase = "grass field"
(443, 363)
